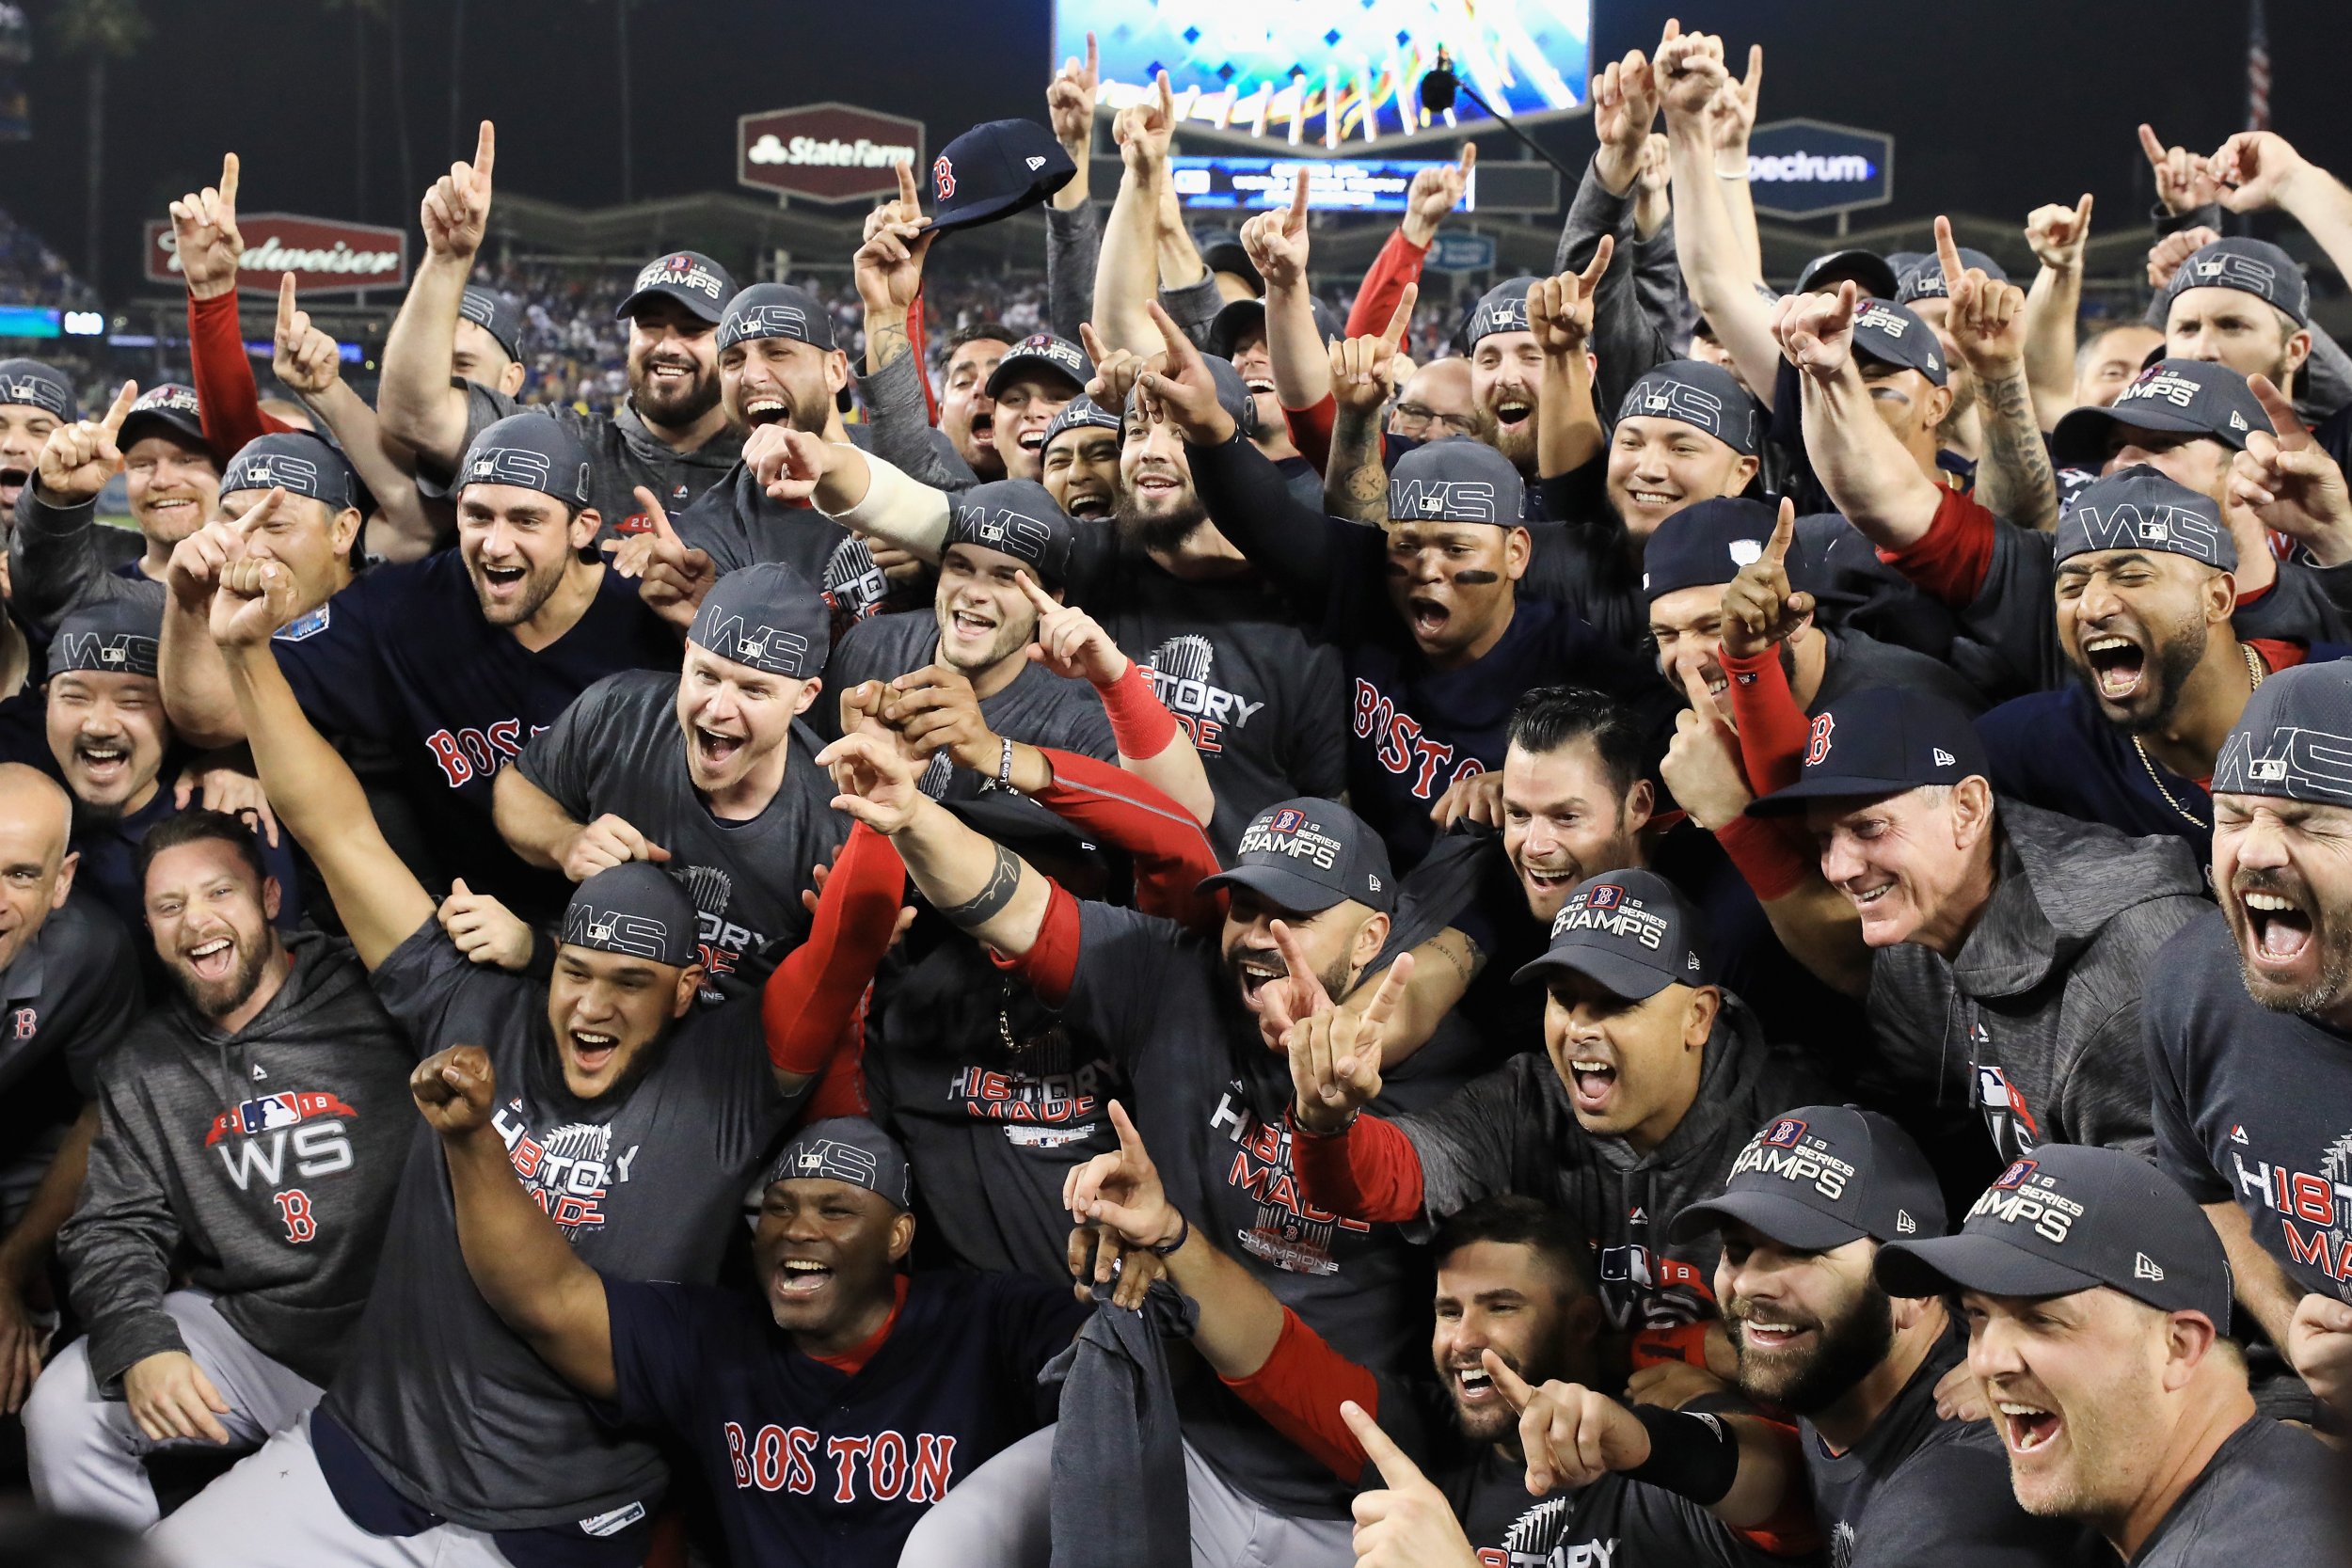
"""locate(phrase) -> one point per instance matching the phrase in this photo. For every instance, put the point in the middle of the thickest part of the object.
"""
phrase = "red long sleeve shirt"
(227, 395)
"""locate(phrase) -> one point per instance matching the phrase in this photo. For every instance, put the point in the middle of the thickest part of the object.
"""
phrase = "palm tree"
(99, 30)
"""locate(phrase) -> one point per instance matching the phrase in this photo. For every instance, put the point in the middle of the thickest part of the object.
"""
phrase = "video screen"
(1333, 185)
(1334, 71)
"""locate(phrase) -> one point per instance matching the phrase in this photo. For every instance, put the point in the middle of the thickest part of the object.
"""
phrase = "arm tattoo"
(884, 342)
(1355, 484)
(2015, 479)
(1004, 880)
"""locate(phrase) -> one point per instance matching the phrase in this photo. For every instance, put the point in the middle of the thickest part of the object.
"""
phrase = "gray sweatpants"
(84, 1450)
(274, 1510)
(1001, 1516)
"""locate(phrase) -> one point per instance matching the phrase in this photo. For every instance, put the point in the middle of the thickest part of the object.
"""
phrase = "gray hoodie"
(265, 1160)
(1514, 1132)
(2036, 1021)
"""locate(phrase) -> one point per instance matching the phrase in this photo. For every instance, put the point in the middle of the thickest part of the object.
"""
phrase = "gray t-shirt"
(2271, 1491)
(737, 524)
(622, 455)
(618, 749)
(450, 1406)
(1039, 708)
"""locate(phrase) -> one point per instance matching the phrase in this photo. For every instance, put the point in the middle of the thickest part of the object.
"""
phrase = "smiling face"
(2106, 364)
(966, 412)
(475, 356)
(673, 363)
(24, 431)
(1806, 1326)
(1507, 1298)
(1453, 585)
(1026, 405)
(518, 545)
(1564, 820)
(1657, 465)
(2230, 327)
(1507, 385)
(1157, 507)
(1631, 1068)
(826, 1253)
(107, 732)
(1437, 402)
(1688, 627)
(36, 873)
(1338, 941)
(1914, 865)
(171, 485)
(737, 721)
(1082, 472)
(984, 617)
(2136, 624)
(611, 1014)
(2282, 870)
(212, 921)
(309, 537)
(780, 381)
(1255, 362)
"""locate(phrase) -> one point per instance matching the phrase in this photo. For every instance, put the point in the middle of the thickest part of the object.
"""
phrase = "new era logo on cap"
(1036, 162)
(1945, 758)
(1904, 1224)
(2145, 1267)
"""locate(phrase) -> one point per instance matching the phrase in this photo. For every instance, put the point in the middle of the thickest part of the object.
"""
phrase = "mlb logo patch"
(1288, 821)
(1783, 1134)
(2015, 1176)
(1606, 896)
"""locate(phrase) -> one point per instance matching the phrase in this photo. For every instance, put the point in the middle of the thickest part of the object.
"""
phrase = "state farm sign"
(825, 151)
(325, 256)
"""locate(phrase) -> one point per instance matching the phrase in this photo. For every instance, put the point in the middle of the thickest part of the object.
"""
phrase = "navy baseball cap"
(30, 384)
(1880, 741)
(1232, 393)
(1457, 478)
(1041, 351)
(1080, 413)
(1822, 1175)
(1704, 544)
(1221, 250)
(532, 449)
(2294, 742)
(776, 311)
(1891, 334)
(1237, 320)
(170, 406)
(2073, 1217)
(1015, 517)
(2255, 267)
(115, 637)
(1698, 394)
(2190, 396)
(1628, 930)
(634, 908)
(1308, 854)
(1868, 268)
(1923, 277)
(296, 462)
(846, 1149)
(1501, 308)
(495, 314)
(2140, 509)
(689, 277)
(995, 170)
(767, 616)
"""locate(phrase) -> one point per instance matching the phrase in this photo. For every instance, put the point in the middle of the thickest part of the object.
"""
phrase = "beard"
(2331, 935)
(1164, 533)
(1332, 977)
(1843, 1354)
(679, 404)
(1516, 443)
(539, 586)
(2178, 650)
(218, 999)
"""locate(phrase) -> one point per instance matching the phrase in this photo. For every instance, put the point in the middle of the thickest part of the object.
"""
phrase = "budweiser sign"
(325, 255)
(825, 151)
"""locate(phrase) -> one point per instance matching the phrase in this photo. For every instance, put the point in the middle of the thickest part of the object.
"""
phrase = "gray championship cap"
(2140, 509)
(532, 450)
(1879, 741)
(1873, 274)
(1308, 854)
(1456, 480)
(495, 313)
(2294, 742)
(1041, 351)
(2250, 266)
(2190, 397)
(169, 409)
(1891, 334)
(1501, 308)
(689, 277)
(1015, 517)
(1703, 396)
(776, 311)
(2073, 1217)
(635, 908)
(115, 637)
(1080, 413)
(769, 617)
(1822, 1175)
(296, 462)
(1628, 930)
(30, 384)
(846, 1149)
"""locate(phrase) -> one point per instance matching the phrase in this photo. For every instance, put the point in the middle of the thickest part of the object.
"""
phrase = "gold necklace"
(2254, 674)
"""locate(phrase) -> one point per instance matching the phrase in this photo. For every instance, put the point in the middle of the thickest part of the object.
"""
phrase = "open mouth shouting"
(1473, 1390)
(103, 762)
(765, 408)
(2027, 1428)
(13, 480)
(1089, 503)
(1426, 616)
(503, 583)
(212, 960)
(2278, 924)
(590, 1052)
(1550, 880)
(801, 1280)
(971, 626)
(715, 750)
(2118, 665)
(1592, 1083)
(1257, 968)
(1512, 411)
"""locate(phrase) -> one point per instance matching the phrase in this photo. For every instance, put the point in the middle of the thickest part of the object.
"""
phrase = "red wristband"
(1141, 724)
(1774, 867)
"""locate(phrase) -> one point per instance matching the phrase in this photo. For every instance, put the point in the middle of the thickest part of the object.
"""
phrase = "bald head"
(33, 802)
(36, 873)
(1436, 400)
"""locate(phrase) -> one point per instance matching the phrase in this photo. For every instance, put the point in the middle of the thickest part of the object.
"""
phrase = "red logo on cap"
(680, 261)
(1817, 742)
(1606, 896)
(1783, 1134)
(2016, 1174)
(1288, 821)
(944, 178)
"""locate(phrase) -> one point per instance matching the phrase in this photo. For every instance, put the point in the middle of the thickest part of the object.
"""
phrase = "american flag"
(2257, 70)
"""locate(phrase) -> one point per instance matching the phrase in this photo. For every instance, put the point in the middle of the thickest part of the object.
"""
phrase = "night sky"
(1996, 105)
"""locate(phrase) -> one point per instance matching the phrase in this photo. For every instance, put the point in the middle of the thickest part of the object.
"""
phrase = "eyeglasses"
(1415, 420)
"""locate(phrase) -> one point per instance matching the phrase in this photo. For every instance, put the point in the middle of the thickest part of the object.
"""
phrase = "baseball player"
(34, 400)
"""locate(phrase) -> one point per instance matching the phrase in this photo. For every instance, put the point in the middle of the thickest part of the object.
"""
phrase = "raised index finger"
(1292, 953)
(1513, 1388)
(2152, 145)
(1094, 61)
(285, 305)
(1183, 358)
(1469, 160)
(654, 511)
(486, 150)
(1130, 1141)
(1402, 319)
(1391, 991)
(229, 180)
(1295, 219)
(907, 193)
(1590, 278)
(1395, 1467)
(2280, 409)
(1948, 253)
(1038, 596)
(120, 410)
(1784, 530)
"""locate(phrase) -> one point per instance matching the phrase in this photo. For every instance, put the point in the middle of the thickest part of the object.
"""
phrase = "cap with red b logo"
(1877, 742)
(994, 170)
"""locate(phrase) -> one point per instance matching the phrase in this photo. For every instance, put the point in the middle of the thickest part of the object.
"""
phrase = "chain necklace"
(2254, 674)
